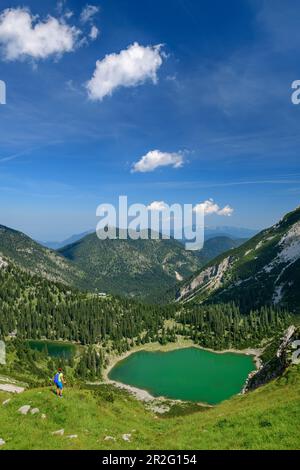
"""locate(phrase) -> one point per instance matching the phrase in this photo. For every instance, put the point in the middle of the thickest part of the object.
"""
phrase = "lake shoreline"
(144, 395)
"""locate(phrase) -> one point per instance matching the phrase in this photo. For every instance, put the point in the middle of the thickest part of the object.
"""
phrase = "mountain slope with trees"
(31, 256)
(263, 271)
(147, 269)
(133, 268)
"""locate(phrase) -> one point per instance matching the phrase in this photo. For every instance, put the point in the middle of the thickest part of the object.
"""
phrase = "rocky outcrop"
(3, 263)
(284, 357)
(210, 278)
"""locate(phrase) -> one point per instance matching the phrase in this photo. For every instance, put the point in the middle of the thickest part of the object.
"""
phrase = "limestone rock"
(60, 432)
(24, 409)
(34, 411)
(11, 388)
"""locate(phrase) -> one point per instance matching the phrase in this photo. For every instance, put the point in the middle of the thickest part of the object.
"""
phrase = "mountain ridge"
(264, 270)
(19, 248)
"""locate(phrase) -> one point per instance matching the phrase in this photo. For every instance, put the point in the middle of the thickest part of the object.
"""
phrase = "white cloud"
(94, 33)
(227, 211)
(68, 14)
(210, 207)
(62, 11)
(131, 67)
(157, 206)
(60, 6)
(88, 13)
(156, 159)
(23, 35)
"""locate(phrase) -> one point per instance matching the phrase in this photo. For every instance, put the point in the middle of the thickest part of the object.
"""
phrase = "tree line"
(32, 307)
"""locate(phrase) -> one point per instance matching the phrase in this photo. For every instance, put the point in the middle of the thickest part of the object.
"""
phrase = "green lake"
(187, 374)
(53, 348)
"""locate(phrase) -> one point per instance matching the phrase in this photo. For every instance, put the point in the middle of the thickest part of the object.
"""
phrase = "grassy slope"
(268, 418)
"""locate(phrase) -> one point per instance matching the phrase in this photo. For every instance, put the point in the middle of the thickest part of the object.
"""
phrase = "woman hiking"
(59, 382)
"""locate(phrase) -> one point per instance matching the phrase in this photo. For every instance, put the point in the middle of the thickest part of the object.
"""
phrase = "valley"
(114, 349)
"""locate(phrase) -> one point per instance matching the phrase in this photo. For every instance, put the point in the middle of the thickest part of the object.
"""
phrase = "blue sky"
(218, 97)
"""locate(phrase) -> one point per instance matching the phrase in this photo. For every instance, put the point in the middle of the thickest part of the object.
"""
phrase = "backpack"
(56, 378)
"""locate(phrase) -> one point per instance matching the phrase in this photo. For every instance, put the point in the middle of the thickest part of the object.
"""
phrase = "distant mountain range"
(210, 232)
(264, 270)
(231, 232)
(67, 241)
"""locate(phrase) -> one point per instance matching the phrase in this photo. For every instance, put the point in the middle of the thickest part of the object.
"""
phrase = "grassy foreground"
(268, 418)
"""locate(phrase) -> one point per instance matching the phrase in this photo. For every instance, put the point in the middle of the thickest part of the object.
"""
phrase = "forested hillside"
(33, 308)
(146, 269)
(33, 257)
(134, 268)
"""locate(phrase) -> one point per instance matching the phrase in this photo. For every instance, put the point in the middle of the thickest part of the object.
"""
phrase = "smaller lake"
(191, 374)
(53, 348)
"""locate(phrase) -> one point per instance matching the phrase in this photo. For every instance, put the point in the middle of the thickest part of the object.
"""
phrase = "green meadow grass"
(268, 418)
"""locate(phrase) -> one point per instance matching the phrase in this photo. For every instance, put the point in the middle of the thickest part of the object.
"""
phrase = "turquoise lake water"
(187, 374)
(54, 348)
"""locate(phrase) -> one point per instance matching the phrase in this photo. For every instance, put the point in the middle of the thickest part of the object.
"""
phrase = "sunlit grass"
(268, 418)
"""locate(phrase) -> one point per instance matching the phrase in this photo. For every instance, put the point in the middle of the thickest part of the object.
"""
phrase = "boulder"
(34, 411)
(11, 388)
(60, 432)
(24, 409)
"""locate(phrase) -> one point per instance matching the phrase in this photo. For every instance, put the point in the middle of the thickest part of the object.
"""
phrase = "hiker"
(59, 382)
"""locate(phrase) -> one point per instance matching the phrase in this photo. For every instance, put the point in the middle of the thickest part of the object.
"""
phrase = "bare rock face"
(276, 366)
(209, 279)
